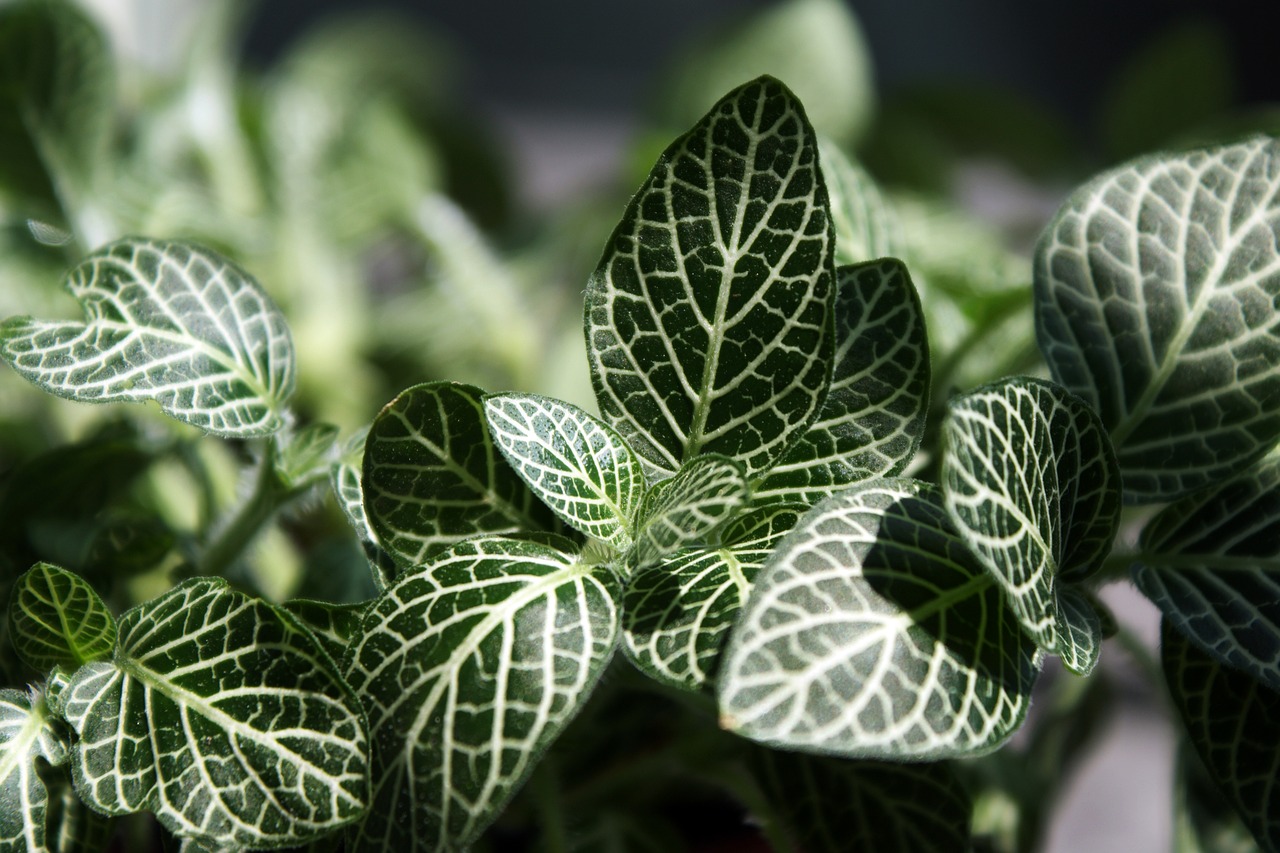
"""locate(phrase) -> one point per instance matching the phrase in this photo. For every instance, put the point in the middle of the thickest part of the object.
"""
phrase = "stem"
(546, 801)
(267, 497)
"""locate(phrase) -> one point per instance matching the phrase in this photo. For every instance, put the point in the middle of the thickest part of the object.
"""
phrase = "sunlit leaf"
(28, 735)
(686, 509)
(56, 619)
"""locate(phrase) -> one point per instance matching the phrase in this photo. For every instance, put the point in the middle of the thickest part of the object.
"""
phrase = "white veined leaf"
(468, 669)
(170, 322)
(687, 508)
(28, 734)
(56, 619)
(1082, 625)
(874, 414)
(1157, 294)
(1211, 563)
(70, 825)
(575, 463)
(344, 475)
(223, 717)
(1203, 820)
(873, 632)
(678, 612)
(1032, 486)
(332, 625)
(708, 320)
(866, 227)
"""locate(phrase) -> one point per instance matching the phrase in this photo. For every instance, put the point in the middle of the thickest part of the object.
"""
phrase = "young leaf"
(577, 465)
(1232, 720)
(872, 420)
(28, 735)
(345, 475)
(1211, 563)
(57, 619)
(1157, 294)
(468, 669)
(687, 508)
(432, 475)
(677, 613)
(224, 718)
(333, 625)
(708, 320)
(873, 632)
(866, 227)
(1033, 488)
(169, 322)
(305, 456)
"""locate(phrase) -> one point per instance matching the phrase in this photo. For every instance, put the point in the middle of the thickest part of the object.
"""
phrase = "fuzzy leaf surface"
(686, 509)
(56, 619)
(1157, 293)
(28, 734)
(708, 321)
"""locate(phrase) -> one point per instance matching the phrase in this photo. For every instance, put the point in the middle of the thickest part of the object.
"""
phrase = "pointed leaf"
(677, 613)
(432, 475)
(866, 227)
(709, 318)
(1082, 624)
(873, 632)
(1211, 563)
(56, 619)
(224, 718)
(576, 464)
(345, 476)
(686, 509)
(170, 322)
(872, 420)
(28, 735)
(468, 669)
(1158, 301)
(1032, 486)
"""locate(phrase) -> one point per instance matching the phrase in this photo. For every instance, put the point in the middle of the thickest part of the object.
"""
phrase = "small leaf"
(576, 464)
(56, 619)
(708, 319)
(224, 718)
(1232, 721)
(1211, 563)
(169, 322)
(28, 735)
(333, 625)
(345, 476)
(686, 509)
(873, 632)
(866, 227)
(1157, 294)
(1082, 623)
(677, 613)
(432, 475)
(468, 669)
(305, 455)
(874, 415)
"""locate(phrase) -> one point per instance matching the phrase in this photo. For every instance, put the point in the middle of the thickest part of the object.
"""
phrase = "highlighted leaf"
(686, 509)
(56, 619)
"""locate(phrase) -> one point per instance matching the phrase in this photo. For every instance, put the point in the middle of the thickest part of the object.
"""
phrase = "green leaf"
(70, 825)
(432, 475)
(874, 415)
(677, 613)
(28, 735)
(332, 625)
(1204, 822)
(1211, 563)
(306, 455)
(1232, 720)
(56, 619)
(1157, 294)
(708, 319)
(1032, 485)
(468, 669)
(345, 476)
(873, 632)
(687, 508)
(224, 718)
(866, 227)
(576, 464)
(170, 322)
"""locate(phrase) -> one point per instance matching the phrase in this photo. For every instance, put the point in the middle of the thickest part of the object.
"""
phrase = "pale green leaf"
(1158, 301)
(305, 455)
(576, 464)
(874, 414)
(708, 320)
(345, 476)
(56, 619)
(686, 509)
(28, 735)
(224, 718)
(468, 668)
(170, 322)
(866, 227)
(873, 632)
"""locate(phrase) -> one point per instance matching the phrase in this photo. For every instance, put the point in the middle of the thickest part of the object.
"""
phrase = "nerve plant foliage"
(738, 522)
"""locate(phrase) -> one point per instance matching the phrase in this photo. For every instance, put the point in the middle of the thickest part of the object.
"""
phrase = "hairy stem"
(250, 517)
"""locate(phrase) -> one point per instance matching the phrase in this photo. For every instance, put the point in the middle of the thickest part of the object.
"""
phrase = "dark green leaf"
(686, 509)
(333, 625)
(56, 619)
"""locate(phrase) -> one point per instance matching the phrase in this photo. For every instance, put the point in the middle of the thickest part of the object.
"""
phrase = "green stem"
(267, 498)
(546, 796)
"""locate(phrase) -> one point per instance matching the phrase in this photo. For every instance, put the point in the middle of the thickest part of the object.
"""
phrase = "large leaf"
(873, 632)
(224, 717)
(708, 319)
(1232, 720)
(169, 322)
(577, 465)
(28, 735)
(686, 509)
(56, 619)
(432, 475)
(872, 420)
(468, 669)
(1158, 300)
(1032, 485)
(866, 227)
(1211, 563)
(677, 613)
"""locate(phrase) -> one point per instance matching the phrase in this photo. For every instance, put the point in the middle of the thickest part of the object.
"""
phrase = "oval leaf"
(170, 322)
(708, 320)
(56, 619)
(468, 668)
(1157, 294)
(873, 632)
(28, 734)
(224, 718)
(686, 509)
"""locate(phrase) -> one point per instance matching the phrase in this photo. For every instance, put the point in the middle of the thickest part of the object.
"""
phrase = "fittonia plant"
(738, 524)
